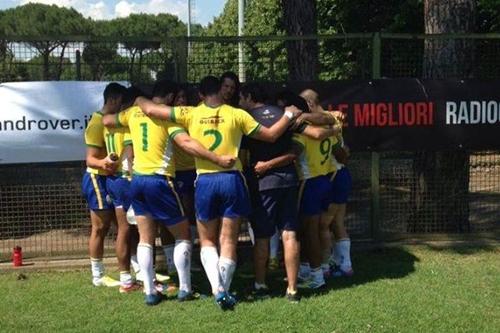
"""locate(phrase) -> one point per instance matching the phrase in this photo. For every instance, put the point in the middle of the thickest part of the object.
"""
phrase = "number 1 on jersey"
(144, 127)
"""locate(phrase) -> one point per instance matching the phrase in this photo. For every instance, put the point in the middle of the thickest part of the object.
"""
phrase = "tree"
(300, 18)
(38, 20)
(145, 26)
(442, 178)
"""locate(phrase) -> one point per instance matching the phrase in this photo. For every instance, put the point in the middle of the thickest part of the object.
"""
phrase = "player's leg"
(274, 245)
(182, 256)
(208, 232)
(101, 215)
(167, 245)
(228, 241)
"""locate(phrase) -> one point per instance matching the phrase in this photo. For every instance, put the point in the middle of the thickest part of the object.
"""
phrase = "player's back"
(315, 159)
(218, 129)
(152, 142)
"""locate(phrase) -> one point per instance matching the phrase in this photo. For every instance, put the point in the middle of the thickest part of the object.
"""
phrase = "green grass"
(404, 289)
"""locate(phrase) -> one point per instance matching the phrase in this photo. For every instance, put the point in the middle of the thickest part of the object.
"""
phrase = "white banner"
(45, 121)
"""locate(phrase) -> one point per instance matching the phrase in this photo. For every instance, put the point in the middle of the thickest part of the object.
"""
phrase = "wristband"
(289, 115)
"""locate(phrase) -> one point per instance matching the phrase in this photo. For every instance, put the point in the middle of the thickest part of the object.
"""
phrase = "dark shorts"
(95, 192)
(221, 194)
(275, 208)
(119, 191)
(185, 181)
(341, 186)
(156, 195)
(315, 195)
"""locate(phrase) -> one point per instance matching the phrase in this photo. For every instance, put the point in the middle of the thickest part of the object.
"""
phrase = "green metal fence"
(41, 207)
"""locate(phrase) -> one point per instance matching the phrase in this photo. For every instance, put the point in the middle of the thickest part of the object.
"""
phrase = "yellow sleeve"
(246, 122)
(94, 136)
(174, 129)
(181, 115)
(299, 139)
(122, 118)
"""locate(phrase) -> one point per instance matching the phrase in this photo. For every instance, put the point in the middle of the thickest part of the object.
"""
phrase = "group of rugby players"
(165, 166)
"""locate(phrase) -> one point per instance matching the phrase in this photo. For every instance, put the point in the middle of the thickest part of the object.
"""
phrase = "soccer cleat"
(311, 284)
(260, 293)
(337, 272)
(152, 299)
(105, 281)
(274, 264)
(225, 300)
(162, 278)
(292, 297)
(183, 296)
(128, 288)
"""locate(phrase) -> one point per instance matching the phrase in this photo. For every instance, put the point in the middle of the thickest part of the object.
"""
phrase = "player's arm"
(128, 157)
(272, 133)
(153, 110)
(262, 167)
(193, 147)
(321, 133)
(96, 158)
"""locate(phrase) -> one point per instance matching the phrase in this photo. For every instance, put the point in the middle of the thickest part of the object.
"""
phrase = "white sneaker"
(105, 281)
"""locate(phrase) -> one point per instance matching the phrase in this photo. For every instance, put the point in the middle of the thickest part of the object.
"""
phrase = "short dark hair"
(113, 90)
(164, 87)
(232, 76)
(288, 98)
(210, 85)
(131, 94)
(255, 91)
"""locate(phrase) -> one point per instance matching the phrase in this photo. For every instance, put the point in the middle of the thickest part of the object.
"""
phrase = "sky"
(203, 12)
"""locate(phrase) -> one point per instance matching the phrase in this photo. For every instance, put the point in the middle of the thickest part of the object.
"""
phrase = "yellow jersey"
(116, 139)
(94, 137)
(152, 140)
(316, 157)
(218, 129)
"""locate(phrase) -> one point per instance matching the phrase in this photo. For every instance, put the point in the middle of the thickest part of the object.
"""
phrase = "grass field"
(400, 289)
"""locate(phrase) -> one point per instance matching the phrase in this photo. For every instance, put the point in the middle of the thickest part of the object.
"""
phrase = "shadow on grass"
(466, 248)
(370, 265)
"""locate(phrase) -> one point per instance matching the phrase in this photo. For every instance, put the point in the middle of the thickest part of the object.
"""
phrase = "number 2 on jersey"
(218, 138)
(144, 127)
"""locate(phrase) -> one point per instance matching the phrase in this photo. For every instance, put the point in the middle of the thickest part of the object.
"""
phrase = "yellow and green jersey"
(94, 137)
(152, 140)
(116, 139)
(218, 129)
(316, 157)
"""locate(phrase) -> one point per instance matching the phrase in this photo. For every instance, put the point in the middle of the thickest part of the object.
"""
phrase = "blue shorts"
(341, 186)
(315, 195)
(156, 195)
(185, 181)
(274, 208)
(95, 192)
(221, 194)
(119, 191)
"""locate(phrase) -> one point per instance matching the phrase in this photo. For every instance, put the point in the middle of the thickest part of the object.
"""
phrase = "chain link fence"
(42, 210)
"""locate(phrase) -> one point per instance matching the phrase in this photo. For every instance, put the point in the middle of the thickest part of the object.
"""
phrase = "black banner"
(412, 114)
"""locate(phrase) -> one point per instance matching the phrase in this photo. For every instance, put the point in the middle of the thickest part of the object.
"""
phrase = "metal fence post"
(78, 63)
(375, 156)
(181, 59)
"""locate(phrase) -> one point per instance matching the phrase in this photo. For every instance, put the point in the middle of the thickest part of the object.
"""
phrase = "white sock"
(134, 263)
(97, 268)
(226, 271)
(317, 275)
(210, 261)
(344, 245)
(125, 278)
(168, 250)
(337, 254)
(182, 259)
(258, 286)
(145, 258)
(304, 269)
(325, 267)
(274, 245)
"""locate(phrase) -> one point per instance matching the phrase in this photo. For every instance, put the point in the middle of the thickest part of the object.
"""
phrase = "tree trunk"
(440, 193)
(300, 18)
(61, 60)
